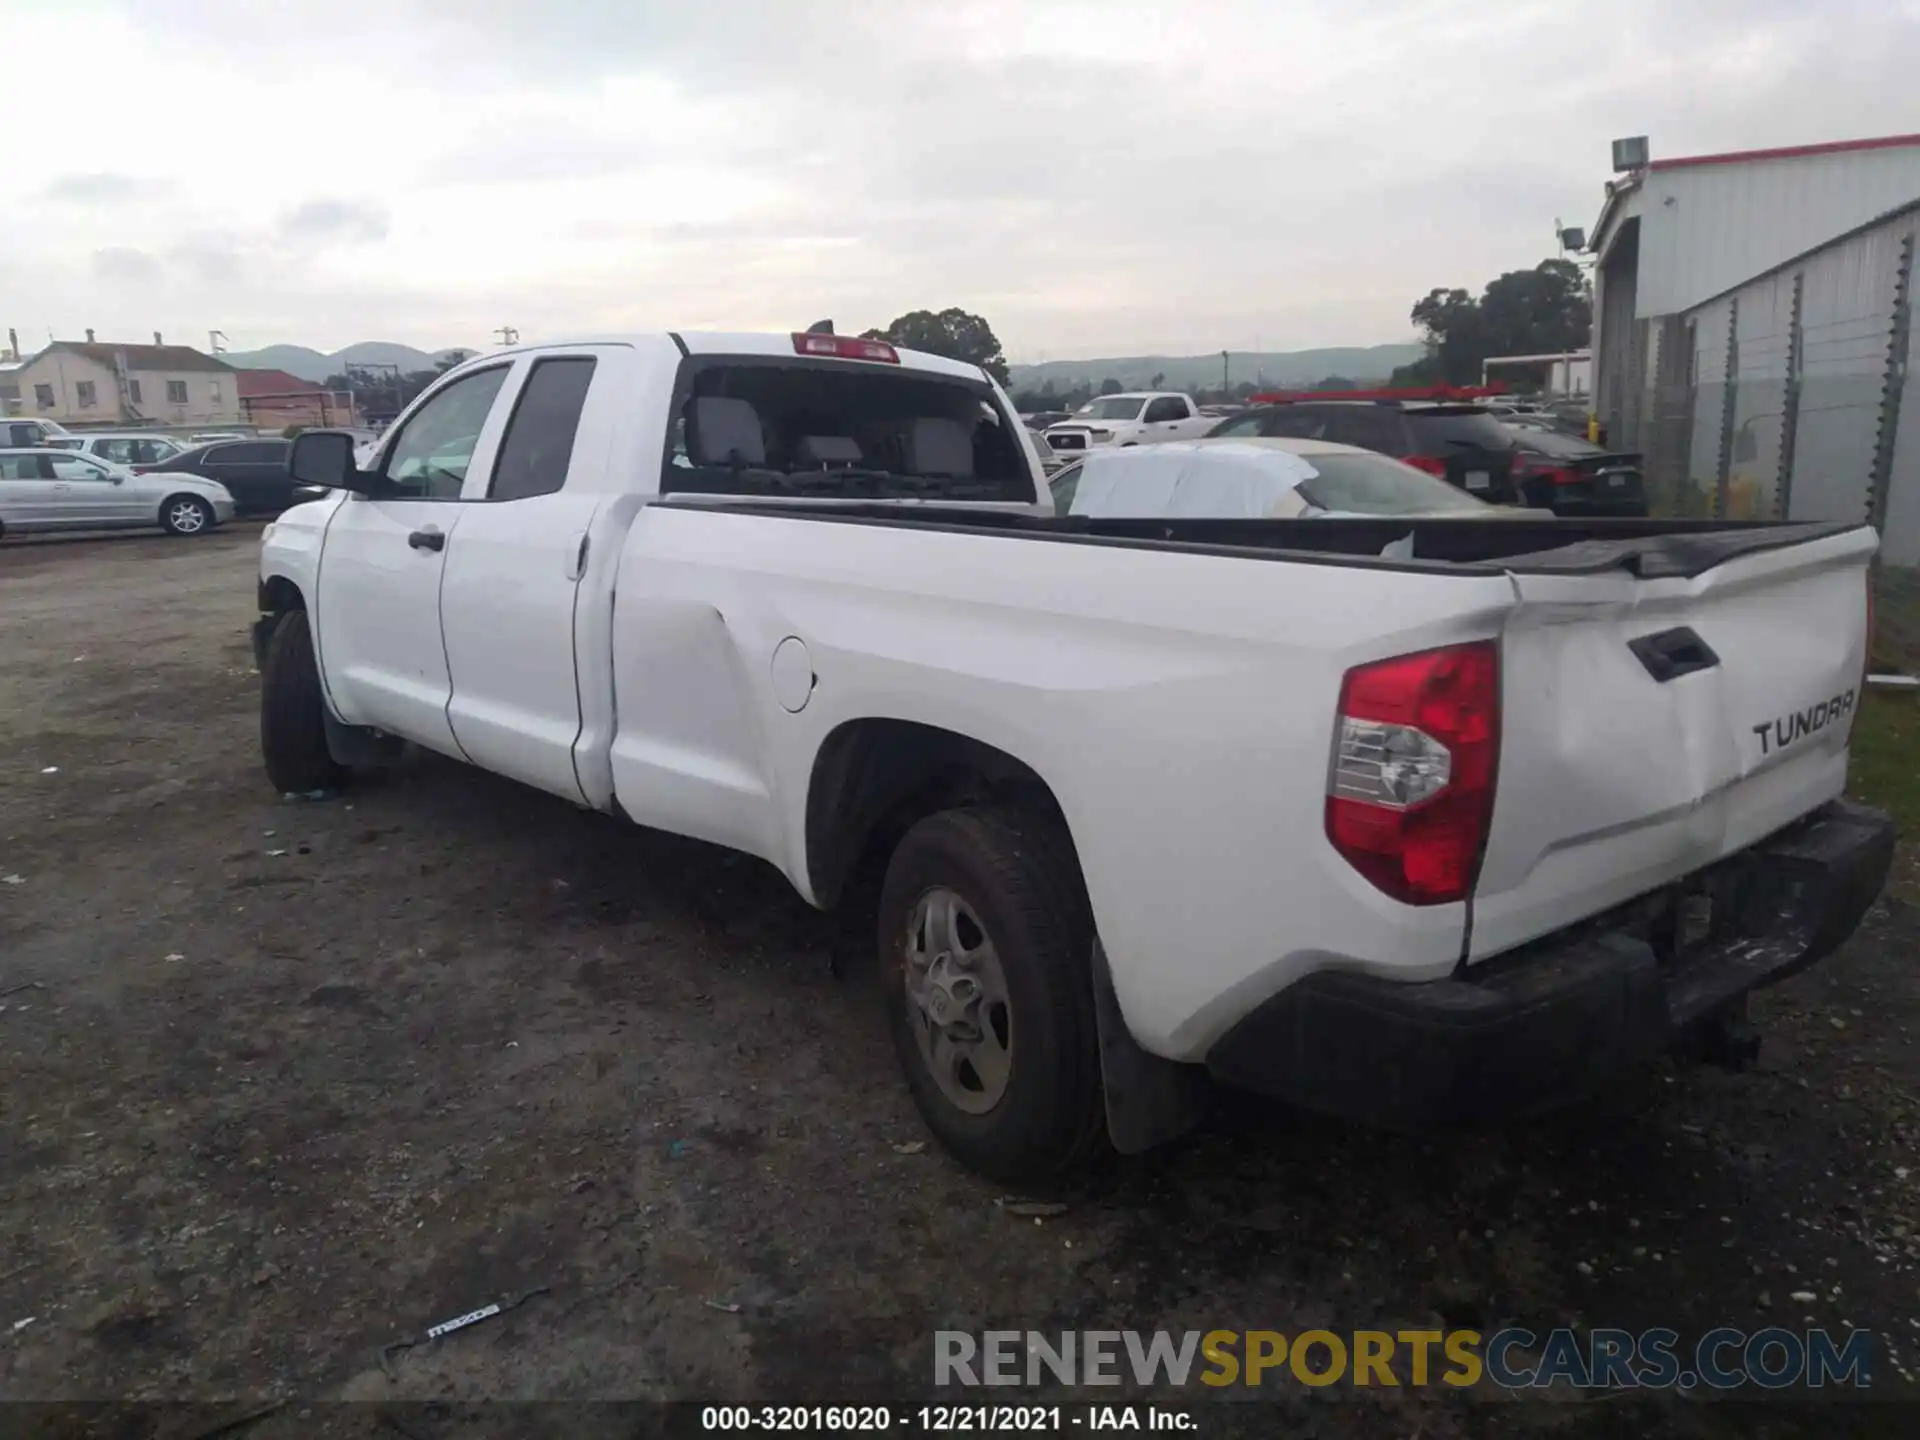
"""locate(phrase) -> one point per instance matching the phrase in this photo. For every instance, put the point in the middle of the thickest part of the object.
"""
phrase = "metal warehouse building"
(1752, 332)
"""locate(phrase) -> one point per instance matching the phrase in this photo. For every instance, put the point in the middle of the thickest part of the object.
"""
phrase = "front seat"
(724, 431)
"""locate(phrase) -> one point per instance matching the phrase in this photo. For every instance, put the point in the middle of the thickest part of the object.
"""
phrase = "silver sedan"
(65, 490)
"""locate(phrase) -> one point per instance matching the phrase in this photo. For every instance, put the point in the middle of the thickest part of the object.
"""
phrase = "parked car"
(1041, 419)
(123, 447)
(28, 434)
(1409, 840)
(1573, 477)
(47, 489)
(208, 437)
(255, 471)
(1255, 479)
(1050, 459)
(1458, 441)
(1142, 418)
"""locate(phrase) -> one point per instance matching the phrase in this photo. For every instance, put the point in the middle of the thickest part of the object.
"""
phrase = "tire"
(186, 515)
(293, 732)
(1011, 871)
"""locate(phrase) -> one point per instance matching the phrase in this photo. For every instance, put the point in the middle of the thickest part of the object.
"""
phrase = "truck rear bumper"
(1556, 1021)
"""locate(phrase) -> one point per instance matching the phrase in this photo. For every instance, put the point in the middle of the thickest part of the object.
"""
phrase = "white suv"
(122, 447)
(29, 434)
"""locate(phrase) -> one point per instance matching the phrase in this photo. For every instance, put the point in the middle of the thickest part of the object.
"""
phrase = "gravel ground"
(288, 1081)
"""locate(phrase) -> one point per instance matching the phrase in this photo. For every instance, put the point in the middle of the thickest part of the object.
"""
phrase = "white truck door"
(1163, 417)
(507, 606)
(378, 608)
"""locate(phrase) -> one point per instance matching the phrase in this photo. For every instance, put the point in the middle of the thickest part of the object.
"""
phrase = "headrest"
(829, 450)
(726, 431)
(937, 446)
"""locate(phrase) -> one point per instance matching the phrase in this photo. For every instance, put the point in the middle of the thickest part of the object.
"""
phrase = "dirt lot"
(288, 1081)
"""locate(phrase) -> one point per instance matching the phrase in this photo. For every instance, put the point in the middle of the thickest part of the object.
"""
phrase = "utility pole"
(508, 335)
(1225, 386)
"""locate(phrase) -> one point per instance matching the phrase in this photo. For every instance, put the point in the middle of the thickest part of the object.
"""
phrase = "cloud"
(348, 222)
(1095, 176)
(122, 265)
(103, 188)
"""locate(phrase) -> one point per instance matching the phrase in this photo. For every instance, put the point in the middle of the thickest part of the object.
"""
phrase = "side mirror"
(325, 458)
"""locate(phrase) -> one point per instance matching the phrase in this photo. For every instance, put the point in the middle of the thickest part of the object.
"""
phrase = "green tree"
(1159, 379)
(1545, 310)
(952, 332)
(1336, 382)
(1111, 386)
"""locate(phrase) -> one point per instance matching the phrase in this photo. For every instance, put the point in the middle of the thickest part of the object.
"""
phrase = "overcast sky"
(1094, 178)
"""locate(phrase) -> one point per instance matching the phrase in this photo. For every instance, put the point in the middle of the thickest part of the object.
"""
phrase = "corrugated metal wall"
(1781, 412)
(1706, 228)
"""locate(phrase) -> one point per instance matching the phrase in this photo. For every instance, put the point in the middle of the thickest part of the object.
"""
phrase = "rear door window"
(538, 443)
(261, 452)
(1165, 408)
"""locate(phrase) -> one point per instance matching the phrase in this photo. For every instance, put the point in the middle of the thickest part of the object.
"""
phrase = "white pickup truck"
(1143, 418)
(1463, 831)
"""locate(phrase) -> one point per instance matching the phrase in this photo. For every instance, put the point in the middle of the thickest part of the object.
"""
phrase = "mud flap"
(359, 748)
(1150, 1100)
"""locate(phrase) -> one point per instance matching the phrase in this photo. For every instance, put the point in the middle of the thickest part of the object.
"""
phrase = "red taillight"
(845, 347)
(1416, 749)
(1432, 464)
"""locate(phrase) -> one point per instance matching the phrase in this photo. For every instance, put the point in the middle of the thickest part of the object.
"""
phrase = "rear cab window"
(772, 426)
(1442, 428)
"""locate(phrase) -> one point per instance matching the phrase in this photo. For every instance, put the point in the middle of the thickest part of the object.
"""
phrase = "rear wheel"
(293, 729)
(186, 515)
(985, 942)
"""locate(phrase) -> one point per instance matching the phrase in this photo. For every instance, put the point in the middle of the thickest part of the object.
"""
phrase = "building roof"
(1725, 169)
(1788, 152)
(257, 383)
(143, 357)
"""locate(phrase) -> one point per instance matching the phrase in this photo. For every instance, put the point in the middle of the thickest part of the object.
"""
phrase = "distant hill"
(1181, 372)
(312, 365)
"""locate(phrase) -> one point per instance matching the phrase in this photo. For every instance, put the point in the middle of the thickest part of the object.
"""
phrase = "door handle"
(1673, 653)
(427, 539)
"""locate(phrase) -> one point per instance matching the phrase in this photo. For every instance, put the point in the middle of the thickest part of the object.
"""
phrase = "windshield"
(1374, 485)
(749, 426)
(1111, 407)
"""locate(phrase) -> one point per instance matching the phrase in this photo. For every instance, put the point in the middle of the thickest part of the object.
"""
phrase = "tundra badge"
(1778, 734)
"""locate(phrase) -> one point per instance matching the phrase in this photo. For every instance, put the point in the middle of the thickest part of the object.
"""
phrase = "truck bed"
(1645, 548)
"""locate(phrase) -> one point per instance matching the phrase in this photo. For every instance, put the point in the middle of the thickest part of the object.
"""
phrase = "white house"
(86, 383)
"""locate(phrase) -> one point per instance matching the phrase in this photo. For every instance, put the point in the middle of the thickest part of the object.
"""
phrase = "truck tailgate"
(1653, 726)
